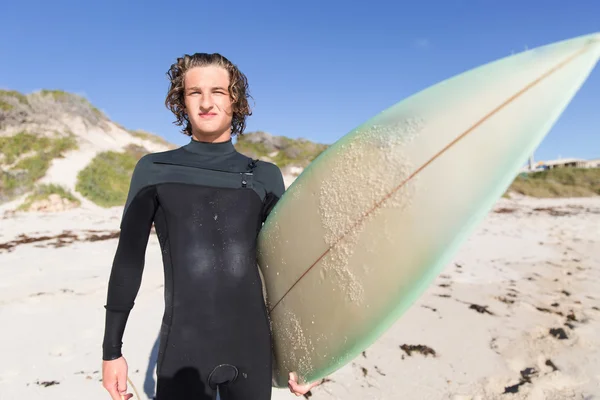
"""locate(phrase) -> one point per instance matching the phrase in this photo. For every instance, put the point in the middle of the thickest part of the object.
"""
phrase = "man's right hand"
(114, 378)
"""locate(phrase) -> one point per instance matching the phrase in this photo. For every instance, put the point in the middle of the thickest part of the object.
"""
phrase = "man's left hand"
(297, 389)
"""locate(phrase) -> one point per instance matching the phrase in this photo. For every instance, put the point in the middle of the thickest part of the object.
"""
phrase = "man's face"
(207, 102)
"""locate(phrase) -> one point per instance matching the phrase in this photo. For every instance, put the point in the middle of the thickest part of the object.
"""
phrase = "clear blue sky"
(317, 69)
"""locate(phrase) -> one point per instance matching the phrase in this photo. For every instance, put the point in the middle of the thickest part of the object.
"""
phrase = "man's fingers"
(122, 382)
(111, 386)
(114, 393)
(298, 389)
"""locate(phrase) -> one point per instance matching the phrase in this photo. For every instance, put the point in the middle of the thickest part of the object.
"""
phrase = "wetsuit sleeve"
(275, 188)
(128, 263)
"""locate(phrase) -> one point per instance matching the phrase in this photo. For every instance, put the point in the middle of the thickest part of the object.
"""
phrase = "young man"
(208, 203)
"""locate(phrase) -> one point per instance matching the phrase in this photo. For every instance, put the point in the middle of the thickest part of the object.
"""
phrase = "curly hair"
(238, 89)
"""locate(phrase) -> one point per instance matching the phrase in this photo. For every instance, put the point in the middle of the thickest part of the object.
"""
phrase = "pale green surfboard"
(371, 222)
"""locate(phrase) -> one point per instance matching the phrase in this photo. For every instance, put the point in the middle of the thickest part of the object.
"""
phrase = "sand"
(516, 315)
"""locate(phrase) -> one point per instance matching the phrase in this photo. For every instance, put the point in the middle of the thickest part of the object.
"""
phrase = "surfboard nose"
(589, 43)
(589, 54)
(582, 40)
(592, 41)
(595, 38)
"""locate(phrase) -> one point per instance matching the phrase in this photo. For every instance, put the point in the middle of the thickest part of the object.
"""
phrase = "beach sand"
(516, 315)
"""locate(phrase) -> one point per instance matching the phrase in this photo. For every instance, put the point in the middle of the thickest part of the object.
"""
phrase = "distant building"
(565, 163)
(593, 163)
(560, 163)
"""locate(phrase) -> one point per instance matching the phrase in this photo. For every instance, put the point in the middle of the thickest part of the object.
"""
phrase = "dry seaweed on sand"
(480, 309)
(558, 333)
(526, 376)
(425, 350)
(59, 240)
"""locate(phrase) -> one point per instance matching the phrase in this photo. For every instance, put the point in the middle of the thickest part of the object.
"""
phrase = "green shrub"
(36, 166)
(290, 152)
(136, 151)
(559, 182)
(39, 151)
(5, 106)
(14, 146)
(105, 180)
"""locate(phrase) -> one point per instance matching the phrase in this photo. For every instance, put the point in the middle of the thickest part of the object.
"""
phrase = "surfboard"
(371, 222)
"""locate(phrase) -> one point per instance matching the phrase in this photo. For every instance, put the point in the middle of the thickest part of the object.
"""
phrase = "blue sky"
(317, 69)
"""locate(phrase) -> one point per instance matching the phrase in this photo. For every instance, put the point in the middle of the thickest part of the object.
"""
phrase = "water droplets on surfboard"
(353, 194)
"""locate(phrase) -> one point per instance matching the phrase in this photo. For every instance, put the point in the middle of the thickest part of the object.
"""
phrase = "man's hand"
(297, 389)
(114, 378)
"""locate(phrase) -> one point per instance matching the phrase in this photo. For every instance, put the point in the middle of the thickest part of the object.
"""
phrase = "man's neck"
(212, 138)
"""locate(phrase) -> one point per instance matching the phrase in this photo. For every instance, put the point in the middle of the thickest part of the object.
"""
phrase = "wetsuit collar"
(209, 148)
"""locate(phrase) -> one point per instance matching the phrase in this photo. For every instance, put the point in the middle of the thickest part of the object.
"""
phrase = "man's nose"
(206, 102)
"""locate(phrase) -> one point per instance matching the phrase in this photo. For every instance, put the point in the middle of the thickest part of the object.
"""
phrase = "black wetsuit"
(207, 202)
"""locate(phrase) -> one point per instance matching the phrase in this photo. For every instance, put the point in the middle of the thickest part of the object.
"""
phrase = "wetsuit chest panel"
(197, 174)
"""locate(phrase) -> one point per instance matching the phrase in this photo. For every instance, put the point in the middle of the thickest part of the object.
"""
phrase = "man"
(207, 203)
